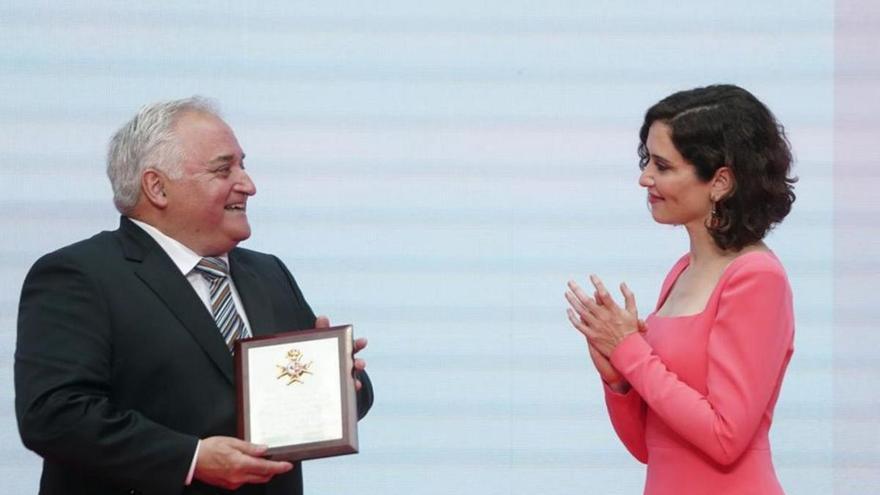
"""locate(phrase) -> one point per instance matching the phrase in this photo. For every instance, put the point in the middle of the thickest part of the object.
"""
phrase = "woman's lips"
(654, 199)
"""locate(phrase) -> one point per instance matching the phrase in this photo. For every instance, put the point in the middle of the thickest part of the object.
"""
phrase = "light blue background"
(434, 172)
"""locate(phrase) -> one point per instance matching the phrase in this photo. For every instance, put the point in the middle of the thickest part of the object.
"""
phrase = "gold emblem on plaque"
(294, 369)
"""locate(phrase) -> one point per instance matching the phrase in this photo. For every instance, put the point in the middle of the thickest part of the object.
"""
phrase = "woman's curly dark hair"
(725, 125)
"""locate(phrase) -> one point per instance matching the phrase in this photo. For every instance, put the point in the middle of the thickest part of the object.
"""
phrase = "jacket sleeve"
(748, 348)
(63, 372)
(627, 412)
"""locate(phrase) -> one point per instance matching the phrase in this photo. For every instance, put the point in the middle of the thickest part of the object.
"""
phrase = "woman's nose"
(646, 179)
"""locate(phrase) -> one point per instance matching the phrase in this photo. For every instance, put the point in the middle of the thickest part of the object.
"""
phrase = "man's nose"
(245, 184)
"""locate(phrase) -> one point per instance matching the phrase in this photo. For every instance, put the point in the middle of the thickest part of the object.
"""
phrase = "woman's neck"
(705, 252)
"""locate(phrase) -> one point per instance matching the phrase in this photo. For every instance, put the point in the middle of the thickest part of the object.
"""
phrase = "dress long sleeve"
(748, 347)
(628, 412)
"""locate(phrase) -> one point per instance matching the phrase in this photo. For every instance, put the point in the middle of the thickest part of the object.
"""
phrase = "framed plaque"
(295, 393)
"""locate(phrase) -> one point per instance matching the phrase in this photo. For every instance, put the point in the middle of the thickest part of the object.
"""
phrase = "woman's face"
(675, 194)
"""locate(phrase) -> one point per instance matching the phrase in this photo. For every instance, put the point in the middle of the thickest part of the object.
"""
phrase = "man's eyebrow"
(224, 159)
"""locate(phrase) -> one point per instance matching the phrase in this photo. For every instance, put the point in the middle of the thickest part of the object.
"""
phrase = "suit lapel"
(159, 273)
(253, 296)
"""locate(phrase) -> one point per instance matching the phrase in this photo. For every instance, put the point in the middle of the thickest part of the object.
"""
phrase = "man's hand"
(229, 463)
(359, 364)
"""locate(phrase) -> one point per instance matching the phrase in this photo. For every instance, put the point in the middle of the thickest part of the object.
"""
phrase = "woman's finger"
(604, 296)
(578, 291)
(629, 300)
(594, 314)
(578, 323)
(575, 303)
(595, 307)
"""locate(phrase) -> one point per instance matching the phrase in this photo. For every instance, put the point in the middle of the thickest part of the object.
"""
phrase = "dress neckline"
(680, 267)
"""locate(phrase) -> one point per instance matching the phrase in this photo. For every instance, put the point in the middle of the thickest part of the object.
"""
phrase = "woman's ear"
(153, 187)
(723, 183)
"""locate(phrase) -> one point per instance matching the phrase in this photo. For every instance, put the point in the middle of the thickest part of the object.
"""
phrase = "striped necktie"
(231, 326)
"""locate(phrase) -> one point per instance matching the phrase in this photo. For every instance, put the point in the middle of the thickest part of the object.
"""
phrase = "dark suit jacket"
(120, 368)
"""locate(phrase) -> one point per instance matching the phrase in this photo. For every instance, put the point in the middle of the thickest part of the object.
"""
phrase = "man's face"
(207, 205)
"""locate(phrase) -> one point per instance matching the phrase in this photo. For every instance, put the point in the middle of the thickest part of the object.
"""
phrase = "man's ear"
(153, 187)
(723, 183)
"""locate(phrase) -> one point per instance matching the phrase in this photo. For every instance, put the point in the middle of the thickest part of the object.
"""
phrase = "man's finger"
(256, 480)
(322, 322)
(359, 344)
(264, 467)
(264, 471)
(250, 449)
(274, 467)
(359, 365)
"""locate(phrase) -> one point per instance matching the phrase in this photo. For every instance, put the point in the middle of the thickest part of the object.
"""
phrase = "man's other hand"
(229, 463)
(359, 364)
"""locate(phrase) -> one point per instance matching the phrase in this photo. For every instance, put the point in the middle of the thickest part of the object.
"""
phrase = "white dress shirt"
(186, 260)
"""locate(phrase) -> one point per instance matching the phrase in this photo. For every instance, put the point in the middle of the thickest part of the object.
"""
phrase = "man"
(123, 368)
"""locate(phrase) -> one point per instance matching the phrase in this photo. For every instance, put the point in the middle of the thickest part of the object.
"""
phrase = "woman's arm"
(748, 349)
(625, 407)
(627, 412)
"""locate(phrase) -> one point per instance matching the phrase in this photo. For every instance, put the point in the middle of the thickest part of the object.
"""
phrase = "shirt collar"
(184, 258)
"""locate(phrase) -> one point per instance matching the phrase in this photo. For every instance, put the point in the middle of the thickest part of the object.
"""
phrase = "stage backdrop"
(434, 172)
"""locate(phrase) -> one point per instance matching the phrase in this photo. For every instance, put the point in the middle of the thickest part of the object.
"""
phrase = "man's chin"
(242, 233)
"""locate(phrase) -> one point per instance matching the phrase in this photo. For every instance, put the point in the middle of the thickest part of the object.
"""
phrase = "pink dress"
(704, 385)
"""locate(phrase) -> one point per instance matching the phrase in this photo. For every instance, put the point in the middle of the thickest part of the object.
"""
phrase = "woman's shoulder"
(755, 269)
(757, 261)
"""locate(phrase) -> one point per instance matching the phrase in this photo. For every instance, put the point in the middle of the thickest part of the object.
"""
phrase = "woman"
(691, 390)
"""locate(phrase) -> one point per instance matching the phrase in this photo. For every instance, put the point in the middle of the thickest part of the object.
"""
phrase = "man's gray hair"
(148, 141)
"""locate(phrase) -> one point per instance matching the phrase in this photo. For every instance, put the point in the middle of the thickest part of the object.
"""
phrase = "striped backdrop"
(433, 172)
